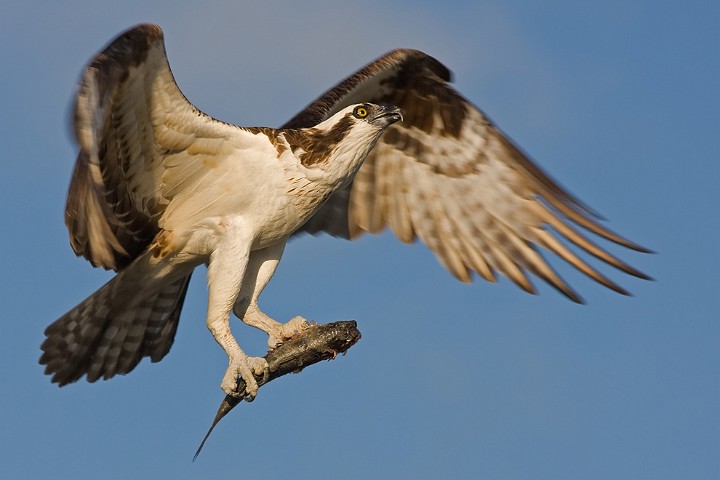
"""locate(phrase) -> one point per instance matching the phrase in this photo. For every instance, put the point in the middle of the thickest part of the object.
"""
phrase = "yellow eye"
(360, 112)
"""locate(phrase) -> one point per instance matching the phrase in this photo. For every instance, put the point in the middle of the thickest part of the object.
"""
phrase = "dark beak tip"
(390, 114)
(396, 114)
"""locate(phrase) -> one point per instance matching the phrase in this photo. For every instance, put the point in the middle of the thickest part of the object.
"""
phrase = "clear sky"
(618, 100)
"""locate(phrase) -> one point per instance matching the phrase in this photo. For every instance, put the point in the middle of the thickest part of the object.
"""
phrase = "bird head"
(340, 144)
(378, 116)
(361, 122)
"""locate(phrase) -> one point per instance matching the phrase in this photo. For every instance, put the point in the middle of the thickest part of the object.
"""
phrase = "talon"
(247, 368)
(273, 342)
(287, 331)
(294, 326)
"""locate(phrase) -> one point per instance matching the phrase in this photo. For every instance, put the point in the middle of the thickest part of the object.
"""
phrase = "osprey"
(160, 188)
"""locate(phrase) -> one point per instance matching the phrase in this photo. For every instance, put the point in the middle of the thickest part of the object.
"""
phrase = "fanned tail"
(130, 317)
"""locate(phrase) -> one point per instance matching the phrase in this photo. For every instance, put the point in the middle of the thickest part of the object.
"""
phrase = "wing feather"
(448, 176)
(581, 241)
(501, 255)
(447, 239)
(129, 117)
(399, 210)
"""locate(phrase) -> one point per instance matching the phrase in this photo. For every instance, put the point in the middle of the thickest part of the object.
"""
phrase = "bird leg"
(239, 363)
(226, 269)
(260, 269)
(277, 332)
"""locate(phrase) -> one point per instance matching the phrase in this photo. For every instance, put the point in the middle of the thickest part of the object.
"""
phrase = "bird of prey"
(160, 188)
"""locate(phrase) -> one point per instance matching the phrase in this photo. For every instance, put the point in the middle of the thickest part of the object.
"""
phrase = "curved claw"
(287, 330)
(247, 368)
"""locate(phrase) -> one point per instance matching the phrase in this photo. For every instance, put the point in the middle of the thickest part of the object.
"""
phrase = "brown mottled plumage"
(448, 176)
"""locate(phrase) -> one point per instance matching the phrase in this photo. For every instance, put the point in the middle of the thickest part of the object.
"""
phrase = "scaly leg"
(226, 269)
(261, 267)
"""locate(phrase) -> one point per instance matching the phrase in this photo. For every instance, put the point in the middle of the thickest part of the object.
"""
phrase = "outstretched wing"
(448, 176)
(140, 144)
(145, 153)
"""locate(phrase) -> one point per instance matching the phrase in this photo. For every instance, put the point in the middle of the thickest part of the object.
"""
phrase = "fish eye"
(360, 112)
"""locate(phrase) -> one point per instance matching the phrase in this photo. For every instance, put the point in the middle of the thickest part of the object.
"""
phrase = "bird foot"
(286, 331)
(247, 367)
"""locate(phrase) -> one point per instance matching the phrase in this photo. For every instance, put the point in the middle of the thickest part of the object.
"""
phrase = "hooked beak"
(388, 114)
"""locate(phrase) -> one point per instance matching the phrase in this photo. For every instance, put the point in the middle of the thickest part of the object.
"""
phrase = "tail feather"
(114, 328)
(159, 335)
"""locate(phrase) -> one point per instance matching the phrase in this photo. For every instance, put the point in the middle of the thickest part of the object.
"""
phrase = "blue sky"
(618, 100)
